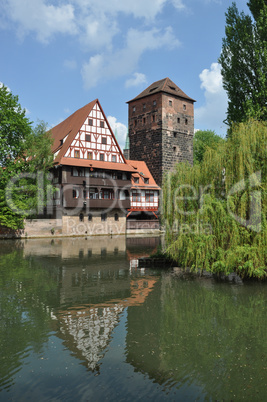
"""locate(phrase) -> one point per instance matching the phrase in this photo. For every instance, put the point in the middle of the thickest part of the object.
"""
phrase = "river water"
(80, 322)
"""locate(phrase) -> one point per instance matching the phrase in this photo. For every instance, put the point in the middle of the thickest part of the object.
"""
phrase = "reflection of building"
(87, 330)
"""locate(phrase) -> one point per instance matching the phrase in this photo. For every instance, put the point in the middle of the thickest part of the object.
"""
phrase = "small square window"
(102, 124)
(90, 155)
(90, 122)
(104, 140)
(170, 103)
(76, 153)
(102, 157)
(114, 158)
(87, 137)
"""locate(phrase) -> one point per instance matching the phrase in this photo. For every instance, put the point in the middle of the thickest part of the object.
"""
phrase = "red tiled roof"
(70, 127)
(165, 85)
(125, 167)
(141, 167)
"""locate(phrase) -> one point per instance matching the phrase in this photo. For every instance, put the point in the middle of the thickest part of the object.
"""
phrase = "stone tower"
(161, 127)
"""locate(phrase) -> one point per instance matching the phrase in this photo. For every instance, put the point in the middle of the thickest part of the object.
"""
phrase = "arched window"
(116, 217)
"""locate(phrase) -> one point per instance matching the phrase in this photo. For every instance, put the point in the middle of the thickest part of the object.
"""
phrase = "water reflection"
(69, 305)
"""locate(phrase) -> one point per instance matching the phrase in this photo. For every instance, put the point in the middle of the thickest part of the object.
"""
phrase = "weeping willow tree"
(215, 213)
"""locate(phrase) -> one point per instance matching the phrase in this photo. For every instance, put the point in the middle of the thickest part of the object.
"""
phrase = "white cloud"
(136, 80)
(45, 20)
(124, 61)
(211, 115)
(119, 129)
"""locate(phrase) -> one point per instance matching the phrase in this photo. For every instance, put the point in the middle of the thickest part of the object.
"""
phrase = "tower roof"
(166, 85)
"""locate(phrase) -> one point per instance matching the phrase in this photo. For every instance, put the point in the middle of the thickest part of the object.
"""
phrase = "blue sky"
(59, 55)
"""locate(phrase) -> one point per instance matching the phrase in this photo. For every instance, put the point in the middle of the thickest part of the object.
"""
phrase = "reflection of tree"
(25, 291)
(212, 338)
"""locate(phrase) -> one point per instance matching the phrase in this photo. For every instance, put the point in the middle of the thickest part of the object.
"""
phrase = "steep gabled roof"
(142, 171)
(65, 132)
(165, 85)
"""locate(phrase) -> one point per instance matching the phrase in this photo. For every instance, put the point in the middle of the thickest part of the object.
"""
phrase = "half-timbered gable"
(86, 134)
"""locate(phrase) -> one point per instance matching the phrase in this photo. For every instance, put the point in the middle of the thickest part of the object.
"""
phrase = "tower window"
(153, 118)
(174, 135)
(133, 109)
(174, 149)
(154, 103)
(144, 120)
(186, 122)
(135, 123)
(144, 106)
(178, 120)
(170, 103)
(184, 107)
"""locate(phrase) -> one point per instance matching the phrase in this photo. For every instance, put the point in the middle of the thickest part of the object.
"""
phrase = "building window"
(174, 135)
(178, 120)
(136, 197)
(90, 122)
(114, 158)
(184, 107)
(153, 118)
(149, 195)
(75, 193)
(186, 122)
(102, 157)
(102, 124)
(93, 193)
(135, 123)
(76, 153)
(77, 172)
(103, 217)
(104, 140)
(144, 106)
(116, 217)
(146, 180)
(170, 103)
(89, 155)
(81, 217)
(144, 120)
(87, 137)
(90, 217)
(133, 109)
(174, 149)
(119, 176)
(136, 180)
(154, 103)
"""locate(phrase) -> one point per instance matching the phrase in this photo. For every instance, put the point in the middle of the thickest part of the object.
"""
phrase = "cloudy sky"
(59, 55)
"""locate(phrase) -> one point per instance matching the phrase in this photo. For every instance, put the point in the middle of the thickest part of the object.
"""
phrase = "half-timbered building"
(91, 175)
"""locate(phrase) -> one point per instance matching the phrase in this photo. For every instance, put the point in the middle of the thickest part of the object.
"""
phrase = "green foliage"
(25, 158)
(244, 62)
(215, 213)
(203, 140)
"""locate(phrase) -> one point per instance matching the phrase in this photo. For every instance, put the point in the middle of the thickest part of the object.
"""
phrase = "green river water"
(80, 322)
